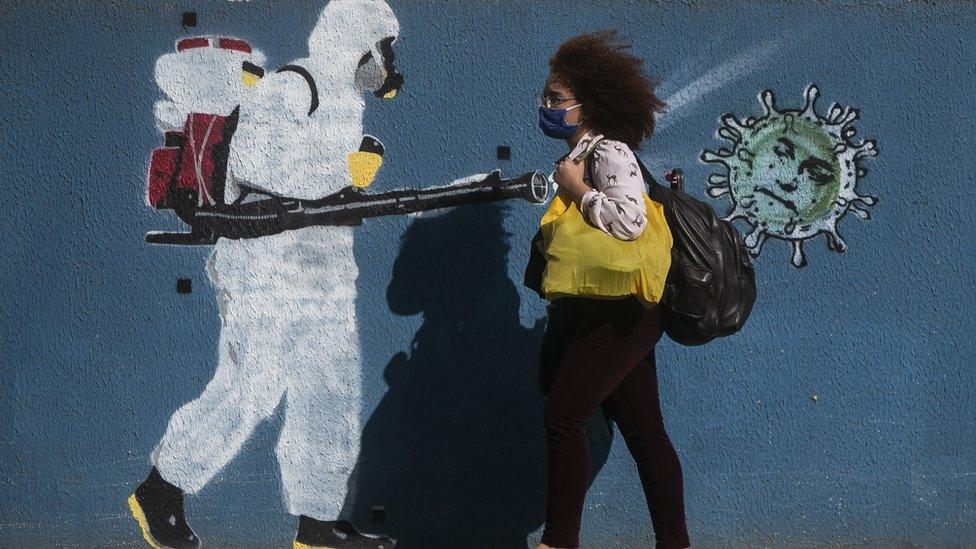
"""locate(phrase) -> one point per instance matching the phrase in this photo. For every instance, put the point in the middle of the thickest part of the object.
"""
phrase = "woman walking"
(607, 252)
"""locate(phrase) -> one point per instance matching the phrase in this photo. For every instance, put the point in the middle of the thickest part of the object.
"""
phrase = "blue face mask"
(552, 122)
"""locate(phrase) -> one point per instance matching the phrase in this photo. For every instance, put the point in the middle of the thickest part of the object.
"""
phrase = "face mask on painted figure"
(553, 124)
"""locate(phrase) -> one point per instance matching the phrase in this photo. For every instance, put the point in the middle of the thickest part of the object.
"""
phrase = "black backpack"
(711, 287)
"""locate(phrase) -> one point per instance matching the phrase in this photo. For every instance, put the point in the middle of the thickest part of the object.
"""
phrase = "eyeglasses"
(550, 100)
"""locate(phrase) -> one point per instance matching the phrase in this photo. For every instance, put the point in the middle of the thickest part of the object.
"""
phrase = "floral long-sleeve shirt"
(615, 205)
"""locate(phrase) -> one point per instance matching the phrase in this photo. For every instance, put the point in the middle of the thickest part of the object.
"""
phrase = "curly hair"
(617, 96)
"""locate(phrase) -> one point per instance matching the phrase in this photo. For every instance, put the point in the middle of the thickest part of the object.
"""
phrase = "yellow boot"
(157, 507)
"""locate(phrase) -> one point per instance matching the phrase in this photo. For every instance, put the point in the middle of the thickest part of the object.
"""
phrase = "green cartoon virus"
(792, 174)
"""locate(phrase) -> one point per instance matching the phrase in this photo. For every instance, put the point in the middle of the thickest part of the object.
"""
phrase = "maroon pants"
(604, 355)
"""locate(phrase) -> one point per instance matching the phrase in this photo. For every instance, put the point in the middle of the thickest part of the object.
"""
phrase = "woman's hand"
(569, 177)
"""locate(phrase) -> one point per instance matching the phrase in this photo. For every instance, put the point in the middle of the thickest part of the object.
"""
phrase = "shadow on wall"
(455, 451)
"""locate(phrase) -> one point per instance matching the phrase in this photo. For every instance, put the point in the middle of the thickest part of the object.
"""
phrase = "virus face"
(792, 174)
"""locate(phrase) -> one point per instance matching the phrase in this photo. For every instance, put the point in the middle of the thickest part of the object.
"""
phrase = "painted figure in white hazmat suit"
(287, 301)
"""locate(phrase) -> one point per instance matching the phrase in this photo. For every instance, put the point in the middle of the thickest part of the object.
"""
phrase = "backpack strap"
(312, 88)
(648, 178)
(587, 164)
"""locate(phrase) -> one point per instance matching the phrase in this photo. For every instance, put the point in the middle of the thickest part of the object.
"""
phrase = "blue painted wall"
(99, 349)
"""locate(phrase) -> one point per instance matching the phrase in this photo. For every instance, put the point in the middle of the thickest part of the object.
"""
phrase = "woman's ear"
(582, 115)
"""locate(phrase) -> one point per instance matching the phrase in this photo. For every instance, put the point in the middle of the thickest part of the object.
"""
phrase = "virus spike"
(768, 102)
(834, 241)
(716, 191)
(858, 211)
(754, 240)
(798, 258)
(810, 97)
(716, 158)
(717, 179)
(736, 213)
(840, 116)
(790, 226)
(866, 148)
(867, 199)
(732, 123)
(834, 113)
(730, 135)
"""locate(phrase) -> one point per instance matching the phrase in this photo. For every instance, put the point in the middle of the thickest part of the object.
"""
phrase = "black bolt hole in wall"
(189, 19)
(503, 152)
(455, 449)
(183, 286)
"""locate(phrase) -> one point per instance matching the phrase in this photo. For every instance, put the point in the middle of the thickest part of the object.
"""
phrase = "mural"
(287, 301)
(270, 169)
(792, 174)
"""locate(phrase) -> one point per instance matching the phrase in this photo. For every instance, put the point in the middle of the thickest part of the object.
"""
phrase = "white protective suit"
(200, 79)
(288, 301)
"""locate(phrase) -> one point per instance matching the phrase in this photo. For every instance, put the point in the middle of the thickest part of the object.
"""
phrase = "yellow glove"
(364, 163)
